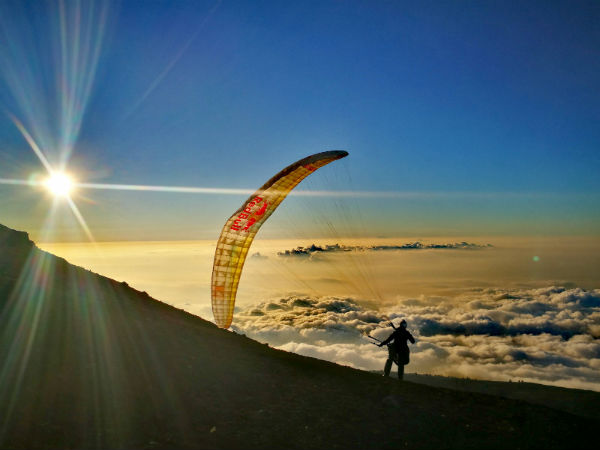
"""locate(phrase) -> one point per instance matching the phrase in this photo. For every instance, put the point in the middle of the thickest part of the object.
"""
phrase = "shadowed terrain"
(575, 401)
(88, 362)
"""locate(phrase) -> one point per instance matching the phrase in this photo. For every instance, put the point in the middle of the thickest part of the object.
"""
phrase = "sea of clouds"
(549, 335)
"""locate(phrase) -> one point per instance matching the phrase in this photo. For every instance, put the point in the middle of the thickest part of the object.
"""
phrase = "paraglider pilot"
(398, 351)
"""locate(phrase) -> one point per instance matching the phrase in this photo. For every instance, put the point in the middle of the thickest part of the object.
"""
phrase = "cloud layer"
(549, 335)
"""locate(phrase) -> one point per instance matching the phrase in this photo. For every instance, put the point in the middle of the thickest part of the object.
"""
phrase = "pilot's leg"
(387, 368)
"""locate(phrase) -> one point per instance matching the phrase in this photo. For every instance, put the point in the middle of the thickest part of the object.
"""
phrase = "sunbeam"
(36, 149)
(172, 63)
(81, 31)
(51, 124)
(300, 193)
(53, 106)
(80, 219)
(19, 182)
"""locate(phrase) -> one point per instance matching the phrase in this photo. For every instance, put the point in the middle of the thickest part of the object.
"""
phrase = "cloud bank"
(549, 335)
(335, 248)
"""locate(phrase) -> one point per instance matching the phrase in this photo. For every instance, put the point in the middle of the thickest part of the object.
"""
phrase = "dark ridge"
(89, 362)
(11, 239)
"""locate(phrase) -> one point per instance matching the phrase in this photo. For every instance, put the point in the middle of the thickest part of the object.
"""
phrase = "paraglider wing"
(239, 230)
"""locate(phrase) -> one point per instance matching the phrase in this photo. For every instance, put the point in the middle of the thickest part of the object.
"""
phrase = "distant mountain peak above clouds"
(416, 245)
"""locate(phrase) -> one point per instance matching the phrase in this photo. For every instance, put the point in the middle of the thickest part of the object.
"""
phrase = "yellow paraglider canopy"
(239, 230)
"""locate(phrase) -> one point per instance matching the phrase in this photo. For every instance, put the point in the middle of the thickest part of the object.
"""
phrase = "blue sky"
(493, 102)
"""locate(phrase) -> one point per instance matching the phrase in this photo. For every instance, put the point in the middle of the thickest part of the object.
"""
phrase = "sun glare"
(59, 184)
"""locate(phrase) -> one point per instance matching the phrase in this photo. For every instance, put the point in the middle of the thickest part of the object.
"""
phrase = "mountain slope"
(88, 362)
(574, 401)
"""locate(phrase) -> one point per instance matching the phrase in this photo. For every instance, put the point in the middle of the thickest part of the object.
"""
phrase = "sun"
(59, 184)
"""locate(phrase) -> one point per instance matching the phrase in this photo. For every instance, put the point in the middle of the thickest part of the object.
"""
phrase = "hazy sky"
(179, 272)
(474, 118)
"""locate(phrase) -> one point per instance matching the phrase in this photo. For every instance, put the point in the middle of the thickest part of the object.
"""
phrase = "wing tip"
(337, 154)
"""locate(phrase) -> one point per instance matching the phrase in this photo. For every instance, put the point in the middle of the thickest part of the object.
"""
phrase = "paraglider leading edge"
(239, 230)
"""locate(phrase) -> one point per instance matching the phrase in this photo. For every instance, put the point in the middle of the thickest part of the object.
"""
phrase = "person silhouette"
(398, 351)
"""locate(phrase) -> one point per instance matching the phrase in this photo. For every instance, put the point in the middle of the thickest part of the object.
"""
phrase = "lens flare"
(59, 184)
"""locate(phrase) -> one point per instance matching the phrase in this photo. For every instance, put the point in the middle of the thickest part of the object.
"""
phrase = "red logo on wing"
(248, 215)
(262, 210)
(251, 221)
